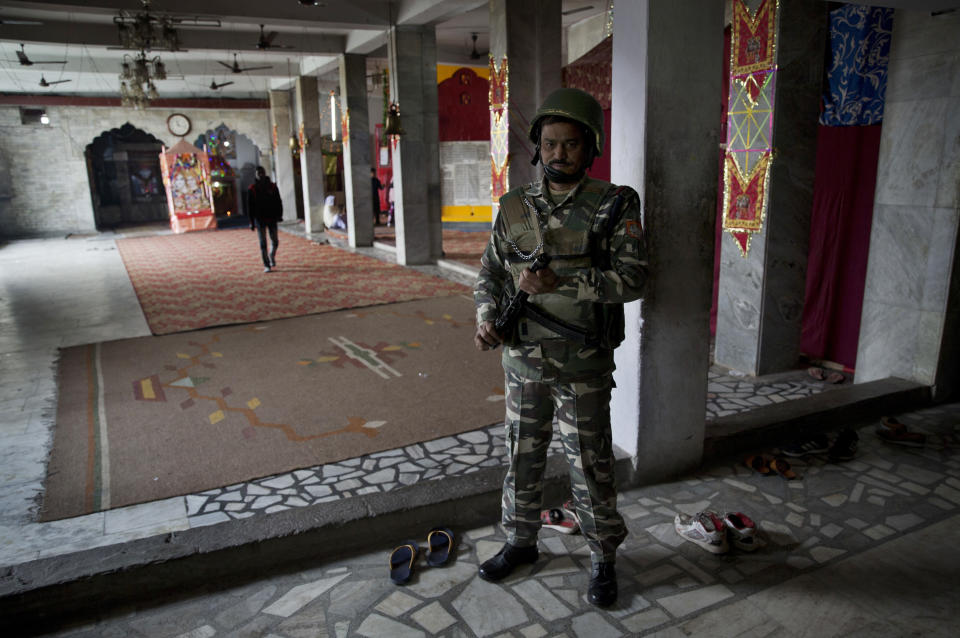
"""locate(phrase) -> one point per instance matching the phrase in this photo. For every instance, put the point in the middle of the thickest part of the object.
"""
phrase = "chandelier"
(146, 31)
(136, 79)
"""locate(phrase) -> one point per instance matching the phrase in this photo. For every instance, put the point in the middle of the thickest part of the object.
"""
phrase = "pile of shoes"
(843, 448)
(892, 430)
(562, 519)
(715, 533)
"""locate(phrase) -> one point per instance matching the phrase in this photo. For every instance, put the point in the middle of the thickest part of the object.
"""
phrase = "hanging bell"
(393, 121)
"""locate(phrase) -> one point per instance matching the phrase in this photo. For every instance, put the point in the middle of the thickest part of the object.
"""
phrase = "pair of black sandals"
(404, 558)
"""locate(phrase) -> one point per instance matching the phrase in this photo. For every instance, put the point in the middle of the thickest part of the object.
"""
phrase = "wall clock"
(179, 124)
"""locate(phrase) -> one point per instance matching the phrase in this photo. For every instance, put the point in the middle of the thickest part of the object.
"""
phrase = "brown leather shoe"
(508, 558)
(603, 585)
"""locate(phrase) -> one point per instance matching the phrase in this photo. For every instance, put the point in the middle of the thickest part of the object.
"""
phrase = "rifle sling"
(561, 327)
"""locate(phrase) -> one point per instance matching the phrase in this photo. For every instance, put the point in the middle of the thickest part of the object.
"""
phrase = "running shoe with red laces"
(742, 531)
(705, 529)
(556, 519)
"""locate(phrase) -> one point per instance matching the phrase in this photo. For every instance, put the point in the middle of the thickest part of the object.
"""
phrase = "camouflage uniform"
(601, 263)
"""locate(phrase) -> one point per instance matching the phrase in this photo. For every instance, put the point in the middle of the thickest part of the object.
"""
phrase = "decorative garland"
(499, 130)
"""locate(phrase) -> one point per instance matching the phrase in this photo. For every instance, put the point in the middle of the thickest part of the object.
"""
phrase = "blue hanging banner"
(860, 45)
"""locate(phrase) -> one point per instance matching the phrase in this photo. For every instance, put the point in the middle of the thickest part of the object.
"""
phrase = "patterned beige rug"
(153, 417)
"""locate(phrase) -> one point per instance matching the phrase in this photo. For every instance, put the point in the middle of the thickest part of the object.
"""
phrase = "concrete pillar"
(356, 149)
(760, 302)
(311, 158)
(416, 162)
(527, 36)
(280, 122)
(910, 325)
(667, 65)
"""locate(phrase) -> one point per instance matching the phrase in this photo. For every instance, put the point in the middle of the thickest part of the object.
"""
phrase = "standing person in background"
(375, 188)
(266, 209)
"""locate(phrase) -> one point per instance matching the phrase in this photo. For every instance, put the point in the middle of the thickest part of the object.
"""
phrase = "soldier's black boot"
(508, 558)
(603, 585)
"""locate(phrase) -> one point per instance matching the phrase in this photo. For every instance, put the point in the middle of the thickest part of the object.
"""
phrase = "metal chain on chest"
(539, 217)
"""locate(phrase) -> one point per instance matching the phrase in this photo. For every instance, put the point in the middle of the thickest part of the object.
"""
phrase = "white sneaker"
(742, 530)
(266, 269)
(705, 529)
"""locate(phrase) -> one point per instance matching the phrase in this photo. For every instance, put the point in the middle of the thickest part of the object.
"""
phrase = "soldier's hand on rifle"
(486, 336)
(539, 282)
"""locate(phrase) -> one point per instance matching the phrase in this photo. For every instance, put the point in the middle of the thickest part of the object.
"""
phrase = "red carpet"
(196, 280)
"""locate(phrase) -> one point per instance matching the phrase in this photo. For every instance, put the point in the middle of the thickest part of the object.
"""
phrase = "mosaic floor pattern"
(888, 501)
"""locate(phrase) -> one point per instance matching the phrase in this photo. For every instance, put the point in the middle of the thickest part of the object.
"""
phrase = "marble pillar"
(528, 35)
(760, 301)
(667, 65)
(416, 161)
(356, 148)
(282, 125)
(910, 325)
(311, 157)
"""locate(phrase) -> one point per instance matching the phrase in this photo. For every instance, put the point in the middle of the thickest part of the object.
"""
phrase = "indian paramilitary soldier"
(558, 352)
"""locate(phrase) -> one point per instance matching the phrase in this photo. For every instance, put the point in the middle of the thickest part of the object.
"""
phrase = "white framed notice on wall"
(384, 156)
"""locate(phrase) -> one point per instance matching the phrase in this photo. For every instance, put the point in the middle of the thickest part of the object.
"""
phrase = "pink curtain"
(846, 174)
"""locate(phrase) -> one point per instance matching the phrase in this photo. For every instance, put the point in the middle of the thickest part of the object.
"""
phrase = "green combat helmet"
(576, 105)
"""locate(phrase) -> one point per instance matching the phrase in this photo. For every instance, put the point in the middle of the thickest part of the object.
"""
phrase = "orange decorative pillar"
(525, 67)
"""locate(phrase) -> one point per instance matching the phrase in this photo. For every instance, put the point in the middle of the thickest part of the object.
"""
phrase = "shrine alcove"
(126, 186)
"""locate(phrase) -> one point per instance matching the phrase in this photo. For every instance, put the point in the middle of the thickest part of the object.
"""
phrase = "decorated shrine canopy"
(186, 176)
(749, 152)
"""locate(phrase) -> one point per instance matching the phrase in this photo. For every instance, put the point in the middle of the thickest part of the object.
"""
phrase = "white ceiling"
(83, 33)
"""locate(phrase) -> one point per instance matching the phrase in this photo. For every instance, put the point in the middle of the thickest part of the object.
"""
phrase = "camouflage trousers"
(583, 415)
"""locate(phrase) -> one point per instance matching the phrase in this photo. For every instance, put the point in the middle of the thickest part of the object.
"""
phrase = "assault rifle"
(509, 314)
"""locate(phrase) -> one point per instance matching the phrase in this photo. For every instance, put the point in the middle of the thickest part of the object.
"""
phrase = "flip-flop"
(817, 373)
(440, 542)
(782, 467)
(402, 560)
(758, 463)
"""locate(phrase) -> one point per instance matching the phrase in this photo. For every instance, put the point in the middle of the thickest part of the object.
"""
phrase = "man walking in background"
(266, 209)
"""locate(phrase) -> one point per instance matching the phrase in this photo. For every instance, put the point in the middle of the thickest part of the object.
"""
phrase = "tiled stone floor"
(862, 548)
(57, 293)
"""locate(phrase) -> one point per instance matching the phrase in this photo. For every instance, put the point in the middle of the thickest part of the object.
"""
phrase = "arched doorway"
(233, 164)
(123, 167)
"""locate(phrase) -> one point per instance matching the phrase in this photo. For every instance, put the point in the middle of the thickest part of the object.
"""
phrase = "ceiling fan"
(236, 68)
(43, 81)
(214, 85)
(476, 55)
(25, 61)
(266, 41)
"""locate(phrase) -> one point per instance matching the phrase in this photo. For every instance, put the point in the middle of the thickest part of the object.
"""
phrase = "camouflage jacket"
(601, 262)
